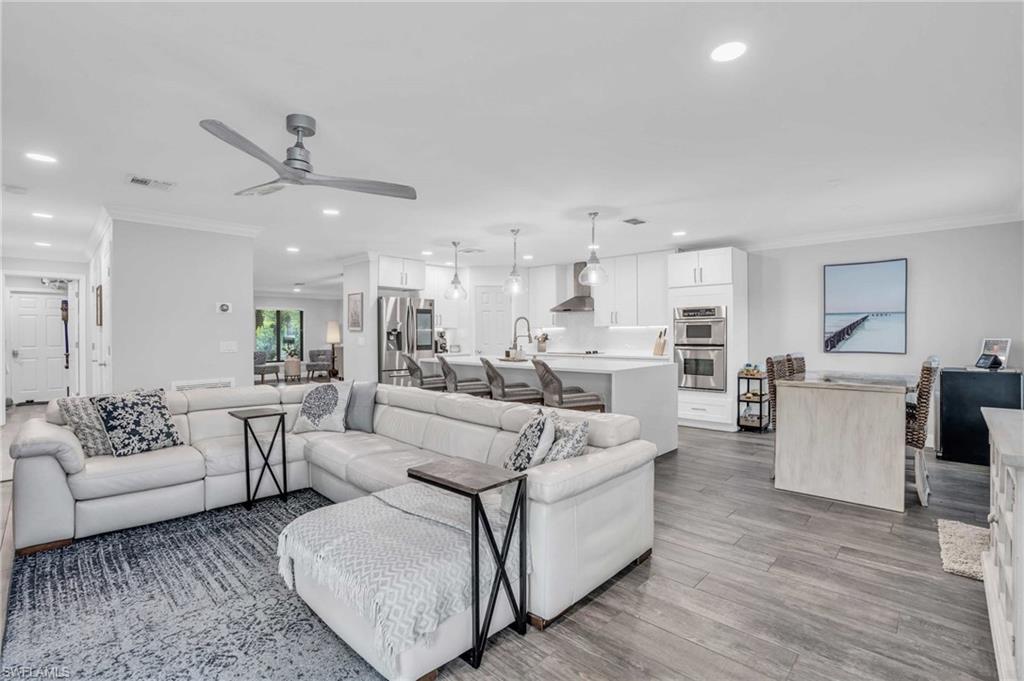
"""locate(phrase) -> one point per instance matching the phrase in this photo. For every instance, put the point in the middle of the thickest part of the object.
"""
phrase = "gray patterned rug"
(192, 598)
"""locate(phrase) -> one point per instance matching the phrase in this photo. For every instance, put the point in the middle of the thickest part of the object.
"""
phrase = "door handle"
(694, 275)
(15, 353)
(103, 364)
(701, 274)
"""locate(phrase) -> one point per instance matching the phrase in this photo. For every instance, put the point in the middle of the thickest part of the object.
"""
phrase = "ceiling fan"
(296, 169)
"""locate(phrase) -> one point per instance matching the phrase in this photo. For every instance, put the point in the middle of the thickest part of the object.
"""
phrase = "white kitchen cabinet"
(401, 273)
(701, 268)
(447, 313)
(543, 295)
(652, 289)
(615, 300)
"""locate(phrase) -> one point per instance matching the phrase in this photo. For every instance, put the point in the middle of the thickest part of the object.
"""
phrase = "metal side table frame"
(470, 479)
(245, 416)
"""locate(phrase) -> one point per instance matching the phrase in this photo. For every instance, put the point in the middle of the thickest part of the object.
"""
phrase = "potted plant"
(542, 341)
(292, 365)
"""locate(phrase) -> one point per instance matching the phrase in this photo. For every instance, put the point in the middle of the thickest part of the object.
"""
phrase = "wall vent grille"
(197, 383)
(635, 221)
(149, 183)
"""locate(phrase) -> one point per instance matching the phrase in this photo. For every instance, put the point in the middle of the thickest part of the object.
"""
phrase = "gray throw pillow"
(323, 408)
(570, 439)
(84, 420)
(137, 422)
(361, 402)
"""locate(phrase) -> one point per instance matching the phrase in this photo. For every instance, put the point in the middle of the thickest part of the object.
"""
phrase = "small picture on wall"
(355, 311)
(866, 307)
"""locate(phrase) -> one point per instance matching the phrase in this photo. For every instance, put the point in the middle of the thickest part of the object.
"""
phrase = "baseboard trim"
(48, 546)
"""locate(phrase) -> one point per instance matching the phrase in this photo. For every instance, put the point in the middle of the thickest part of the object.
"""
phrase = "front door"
(36, 345)
(493, 320)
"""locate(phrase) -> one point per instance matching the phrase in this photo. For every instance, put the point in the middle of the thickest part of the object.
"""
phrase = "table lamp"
(333, 338)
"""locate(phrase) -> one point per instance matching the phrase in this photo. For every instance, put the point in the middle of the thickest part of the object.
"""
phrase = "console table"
(470, 479)
(247, 415)
(1003, 571)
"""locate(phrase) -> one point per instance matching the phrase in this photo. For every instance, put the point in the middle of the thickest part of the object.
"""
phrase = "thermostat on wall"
(224, 307)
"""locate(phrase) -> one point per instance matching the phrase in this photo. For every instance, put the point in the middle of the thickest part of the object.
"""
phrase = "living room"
(664, 340)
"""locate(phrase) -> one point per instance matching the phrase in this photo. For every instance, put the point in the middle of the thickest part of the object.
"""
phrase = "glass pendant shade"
(455, 290)
(513, 285)
(594, 273)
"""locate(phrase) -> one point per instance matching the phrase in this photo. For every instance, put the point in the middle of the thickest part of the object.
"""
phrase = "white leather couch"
(588, 517)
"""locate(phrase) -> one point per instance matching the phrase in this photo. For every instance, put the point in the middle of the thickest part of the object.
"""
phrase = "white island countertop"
(577, 364)
(1006, 431)
(641, 388)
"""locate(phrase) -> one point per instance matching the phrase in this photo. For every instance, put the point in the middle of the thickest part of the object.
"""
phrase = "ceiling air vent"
(635, 221)
(470, 250)
(150, 183)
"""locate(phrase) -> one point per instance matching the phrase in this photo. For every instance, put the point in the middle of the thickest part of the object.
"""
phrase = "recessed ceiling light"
(728, 51)
(331, 211)
(426, 253)
(527, 257)
(292, 249)
(449, 263)
(594, 247)
(678, 233)
(44, 244)
(42, 158)
(44, 216)
(296, 290)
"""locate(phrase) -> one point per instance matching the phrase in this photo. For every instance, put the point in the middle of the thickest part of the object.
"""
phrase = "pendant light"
(455, 291)
(513, 285)
(594, 273)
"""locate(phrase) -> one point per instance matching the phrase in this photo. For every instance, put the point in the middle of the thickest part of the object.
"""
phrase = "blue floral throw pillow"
(137, 422)
(323, 408)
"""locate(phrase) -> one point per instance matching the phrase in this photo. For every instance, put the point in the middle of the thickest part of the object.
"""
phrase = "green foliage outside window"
(279, 333)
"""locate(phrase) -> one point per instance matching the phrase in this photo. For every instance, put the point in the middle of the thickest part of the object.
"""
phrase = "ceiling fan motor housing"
(301, 126)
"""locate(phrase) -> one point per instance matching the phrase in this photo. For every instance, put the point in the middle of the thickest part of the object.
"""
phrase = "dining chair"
(775, 368)
(917, 427)
(418, 379)
(261, 368)
(454, 384)
(509, 392)
(558, 395)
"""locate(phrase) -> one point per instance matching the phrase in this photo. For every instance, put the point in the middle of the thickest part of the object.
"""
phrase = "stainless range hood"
(581, 300)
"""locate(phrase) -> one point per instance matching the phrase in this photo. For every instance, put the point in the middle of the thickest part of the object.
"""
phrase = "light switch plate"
(229, 346)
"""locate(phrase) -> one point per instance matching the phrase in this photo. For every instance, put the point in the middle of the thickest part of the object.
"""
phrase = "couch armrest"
(39, 438)
(551, 482)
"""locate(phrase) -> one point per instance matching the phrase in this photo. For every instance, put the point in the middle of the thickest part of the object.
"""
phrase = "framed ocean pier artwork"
(866, 307)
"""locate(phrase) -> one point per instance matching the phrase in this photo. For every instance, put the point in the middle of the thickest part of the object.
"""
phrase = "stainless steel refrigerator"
(403, 325)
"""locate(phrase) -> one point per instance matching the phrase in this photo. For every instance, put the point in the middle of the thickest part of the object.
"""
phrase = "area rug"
(193, 598)
(961, 546)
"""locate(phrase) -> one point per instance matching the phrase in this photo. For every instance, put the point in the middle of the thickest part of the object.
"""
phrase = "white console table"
(1004, 572)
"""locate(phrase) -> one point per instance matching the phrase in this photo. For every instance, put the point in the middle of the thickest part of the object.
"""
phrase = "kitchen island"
(841, 436)
(644, 389)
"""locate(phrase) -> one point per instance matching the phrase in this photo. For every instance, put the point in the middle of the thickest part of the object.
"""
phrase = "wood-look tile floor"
(747, 582)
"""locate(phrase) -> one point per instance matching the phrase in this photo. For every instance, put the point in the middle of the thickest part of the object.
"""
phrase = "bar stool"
(557, 395)
(510, 392)
(469, 386)
(418, 379)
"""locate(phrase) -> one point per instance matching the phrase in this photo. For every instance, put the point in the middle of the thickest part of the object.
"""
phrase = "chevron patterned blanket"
(401, 557)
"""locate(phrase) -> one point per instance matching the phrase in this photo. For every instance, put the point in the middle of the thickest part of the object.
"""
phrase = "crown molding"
(897, 229)
(150, 217)
(99, 229)
(368, 256)
(291, 295)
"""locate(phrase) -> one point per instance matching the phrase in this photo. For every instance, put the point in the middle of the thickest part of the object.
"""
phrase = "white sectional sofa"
(588, 517)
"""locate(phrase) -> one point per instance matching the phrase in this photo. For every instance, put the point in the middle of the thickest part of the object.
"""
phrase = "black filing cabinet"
(963, 435)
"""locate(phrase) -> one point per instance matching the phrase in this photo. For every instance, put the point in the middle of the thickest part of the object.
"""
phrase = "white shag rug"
(961, 546)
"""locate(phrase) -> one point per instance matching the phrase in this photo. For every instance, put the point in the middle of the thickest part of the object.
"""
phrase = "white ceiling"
(841, 120)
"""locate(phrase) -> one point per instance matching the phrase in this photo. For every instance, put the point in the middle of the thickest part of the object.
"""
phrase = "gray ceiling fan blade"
(263, 189)
(399, 191)
(238, 141)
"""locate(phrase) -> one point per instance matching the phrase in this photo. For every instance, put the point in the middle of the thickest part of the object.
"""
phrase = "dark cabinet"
(963, 435)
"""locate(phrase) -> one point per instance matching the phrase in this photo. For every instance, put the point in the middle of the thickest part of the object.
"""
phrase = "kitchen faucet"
(515, 331)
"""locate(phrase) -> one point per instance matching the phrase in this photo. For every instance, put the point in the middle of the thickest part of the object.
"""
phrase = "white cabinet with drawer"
(702, 268)
(401, 273)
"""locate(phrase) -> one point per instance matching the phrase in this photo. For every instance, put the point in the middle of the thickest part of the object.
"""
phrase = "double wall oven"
(700, 347)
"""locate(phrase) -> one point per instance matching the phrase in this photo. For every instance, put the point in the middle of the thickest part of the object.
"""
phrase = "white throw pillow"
(323, 408)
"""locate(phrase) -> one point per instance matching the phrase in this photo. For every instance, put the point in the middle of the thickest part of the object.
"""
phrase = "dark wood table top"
(256, 412)
(464, 476)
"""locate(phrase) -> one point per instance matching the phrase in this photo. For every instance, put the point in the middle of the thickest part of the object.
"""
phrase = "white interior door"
(493, 320)
(35, 342)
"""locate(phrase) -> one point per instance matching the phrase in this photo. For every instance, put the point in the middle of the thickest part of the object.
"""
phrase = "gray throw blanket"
(400, 556)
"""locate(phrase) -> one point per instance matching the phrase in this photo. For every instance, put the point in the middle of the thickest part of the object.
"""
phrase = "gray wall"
(166, 283)
(963, 285)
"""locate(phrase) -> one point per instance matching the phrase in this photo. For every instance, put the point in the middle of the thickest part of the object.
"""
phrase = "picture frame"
(865, 307)
(354, 311)
(1000, 347)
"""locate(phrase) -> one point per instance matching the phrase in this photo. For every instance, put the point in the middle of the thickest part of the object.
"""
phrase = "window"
(278, 333)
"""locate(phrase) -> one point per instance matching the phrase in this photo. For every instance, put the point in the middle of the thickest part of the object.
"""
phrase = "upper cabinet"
(636, 293)
(401, 273)
(701, 268)
(652, 289)
(544, 294)
(448, 314)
